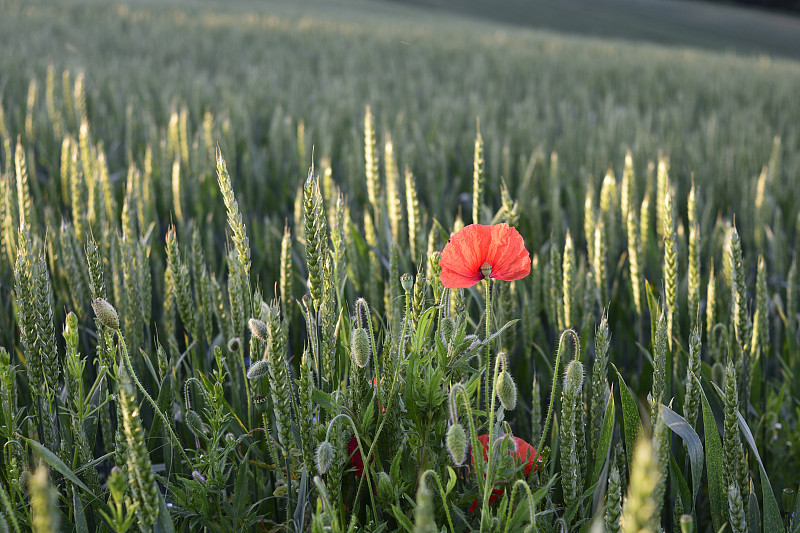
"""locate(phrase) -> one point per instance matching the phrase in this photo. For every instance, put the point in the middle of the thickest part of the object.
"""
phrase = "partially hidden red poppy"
(523, 452)
(356, 459)
(499, 246)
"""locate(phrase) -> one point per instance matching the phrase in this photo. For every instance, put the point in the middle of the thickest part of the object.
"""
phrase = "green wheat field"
(221, 236)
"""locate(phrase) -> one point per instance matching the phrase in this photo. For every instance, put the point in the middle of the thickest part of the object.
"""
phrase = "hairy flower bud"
(359, 347)
(324, 458)
(258, 329)
(258, 370)
(457, 443)
(573, 376)
(506, 390)
(106, 313)
(195, 423)
(446, 327)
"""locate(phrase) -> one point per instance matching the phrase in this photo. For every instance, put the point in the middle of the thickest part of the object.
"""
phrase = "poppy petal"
(500, 245)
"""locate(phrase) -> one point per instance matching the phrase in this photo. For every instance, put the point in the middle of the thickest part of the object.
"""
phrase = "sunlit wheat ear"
(44, 502)
(694, 259)
(477, 176)
(670, 265)
(760, 344)
(635, 259)
(742, 327)
(568, 285)
(711, 307)
(640, 507)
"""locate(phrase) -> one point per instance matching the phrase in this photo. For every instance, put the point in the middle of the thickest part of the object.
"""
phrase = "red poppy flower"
(356, 459)
(522, 452)
(499, 245)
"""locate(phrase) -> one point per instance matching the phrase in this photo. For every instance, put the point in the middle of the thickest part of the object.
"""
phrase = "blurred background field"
(559, 91)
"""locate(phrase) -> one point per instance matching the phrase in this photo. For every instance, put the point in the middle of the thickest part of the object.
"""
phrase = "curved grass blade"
(631, 422)
(694, 446)
(717, 495)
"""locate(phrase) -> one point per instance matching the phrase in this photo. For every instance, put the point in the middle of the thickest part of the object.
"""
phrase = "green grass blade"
(716, 491)
(631, 422)
(694, 446)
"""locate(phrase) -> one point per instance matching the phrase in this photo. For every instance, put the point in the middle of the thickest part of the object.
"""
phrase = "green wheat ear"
(640, 506)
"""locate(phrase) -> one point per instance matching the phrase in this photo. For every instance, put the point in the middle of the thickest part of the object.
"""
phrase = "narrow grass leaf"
(631, 421)
(80, 516)
(694, 446)
(716, 491)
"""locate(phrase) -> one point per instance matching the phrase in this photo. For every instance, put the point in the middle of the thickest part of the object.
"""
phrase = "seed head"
(486, 270)
(407, 281)
(106, 313)
(117, 483)
(235, 344)
(325, 453)
(457, 443)
(258, 370)
(258, 329)
(359, 347)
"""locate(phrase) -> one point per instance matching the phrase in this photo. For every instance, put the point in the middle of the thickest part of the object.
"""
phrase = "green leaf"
(54, 461)
(631, 422)
(604, 446)
(694, 446)
(717, 495)
(451, 482)
(753, 513)
(402, 519)
(679, 488)
(80, 516)
(164, 521)
(772, 513)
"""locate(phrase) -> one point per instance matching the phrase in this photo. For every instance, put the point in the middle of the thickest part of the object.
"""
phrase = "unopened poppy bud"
(385, 489)
(447, 326)
(106, 313)
(486, 270)
(234, 344)
(457, 443)
(359, 347)
(573, 376)
(687, 523)
(506, 390)
(324, 457)
(258, 370)
(258, 329)
(407, 281)
(194, 423)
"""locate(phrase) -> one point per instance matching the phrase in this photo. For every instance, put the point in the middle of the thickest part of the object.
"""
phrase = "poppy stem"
(576, 355)
(488, 362)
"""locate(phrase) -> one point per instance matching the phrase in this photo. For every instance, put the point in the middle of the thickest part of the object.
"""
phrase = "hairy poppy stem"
(488, 318)
(576, 355)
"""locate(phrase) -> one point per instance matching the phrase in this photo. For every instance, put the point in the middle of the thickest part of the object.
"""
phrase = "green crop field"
(234, 239)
